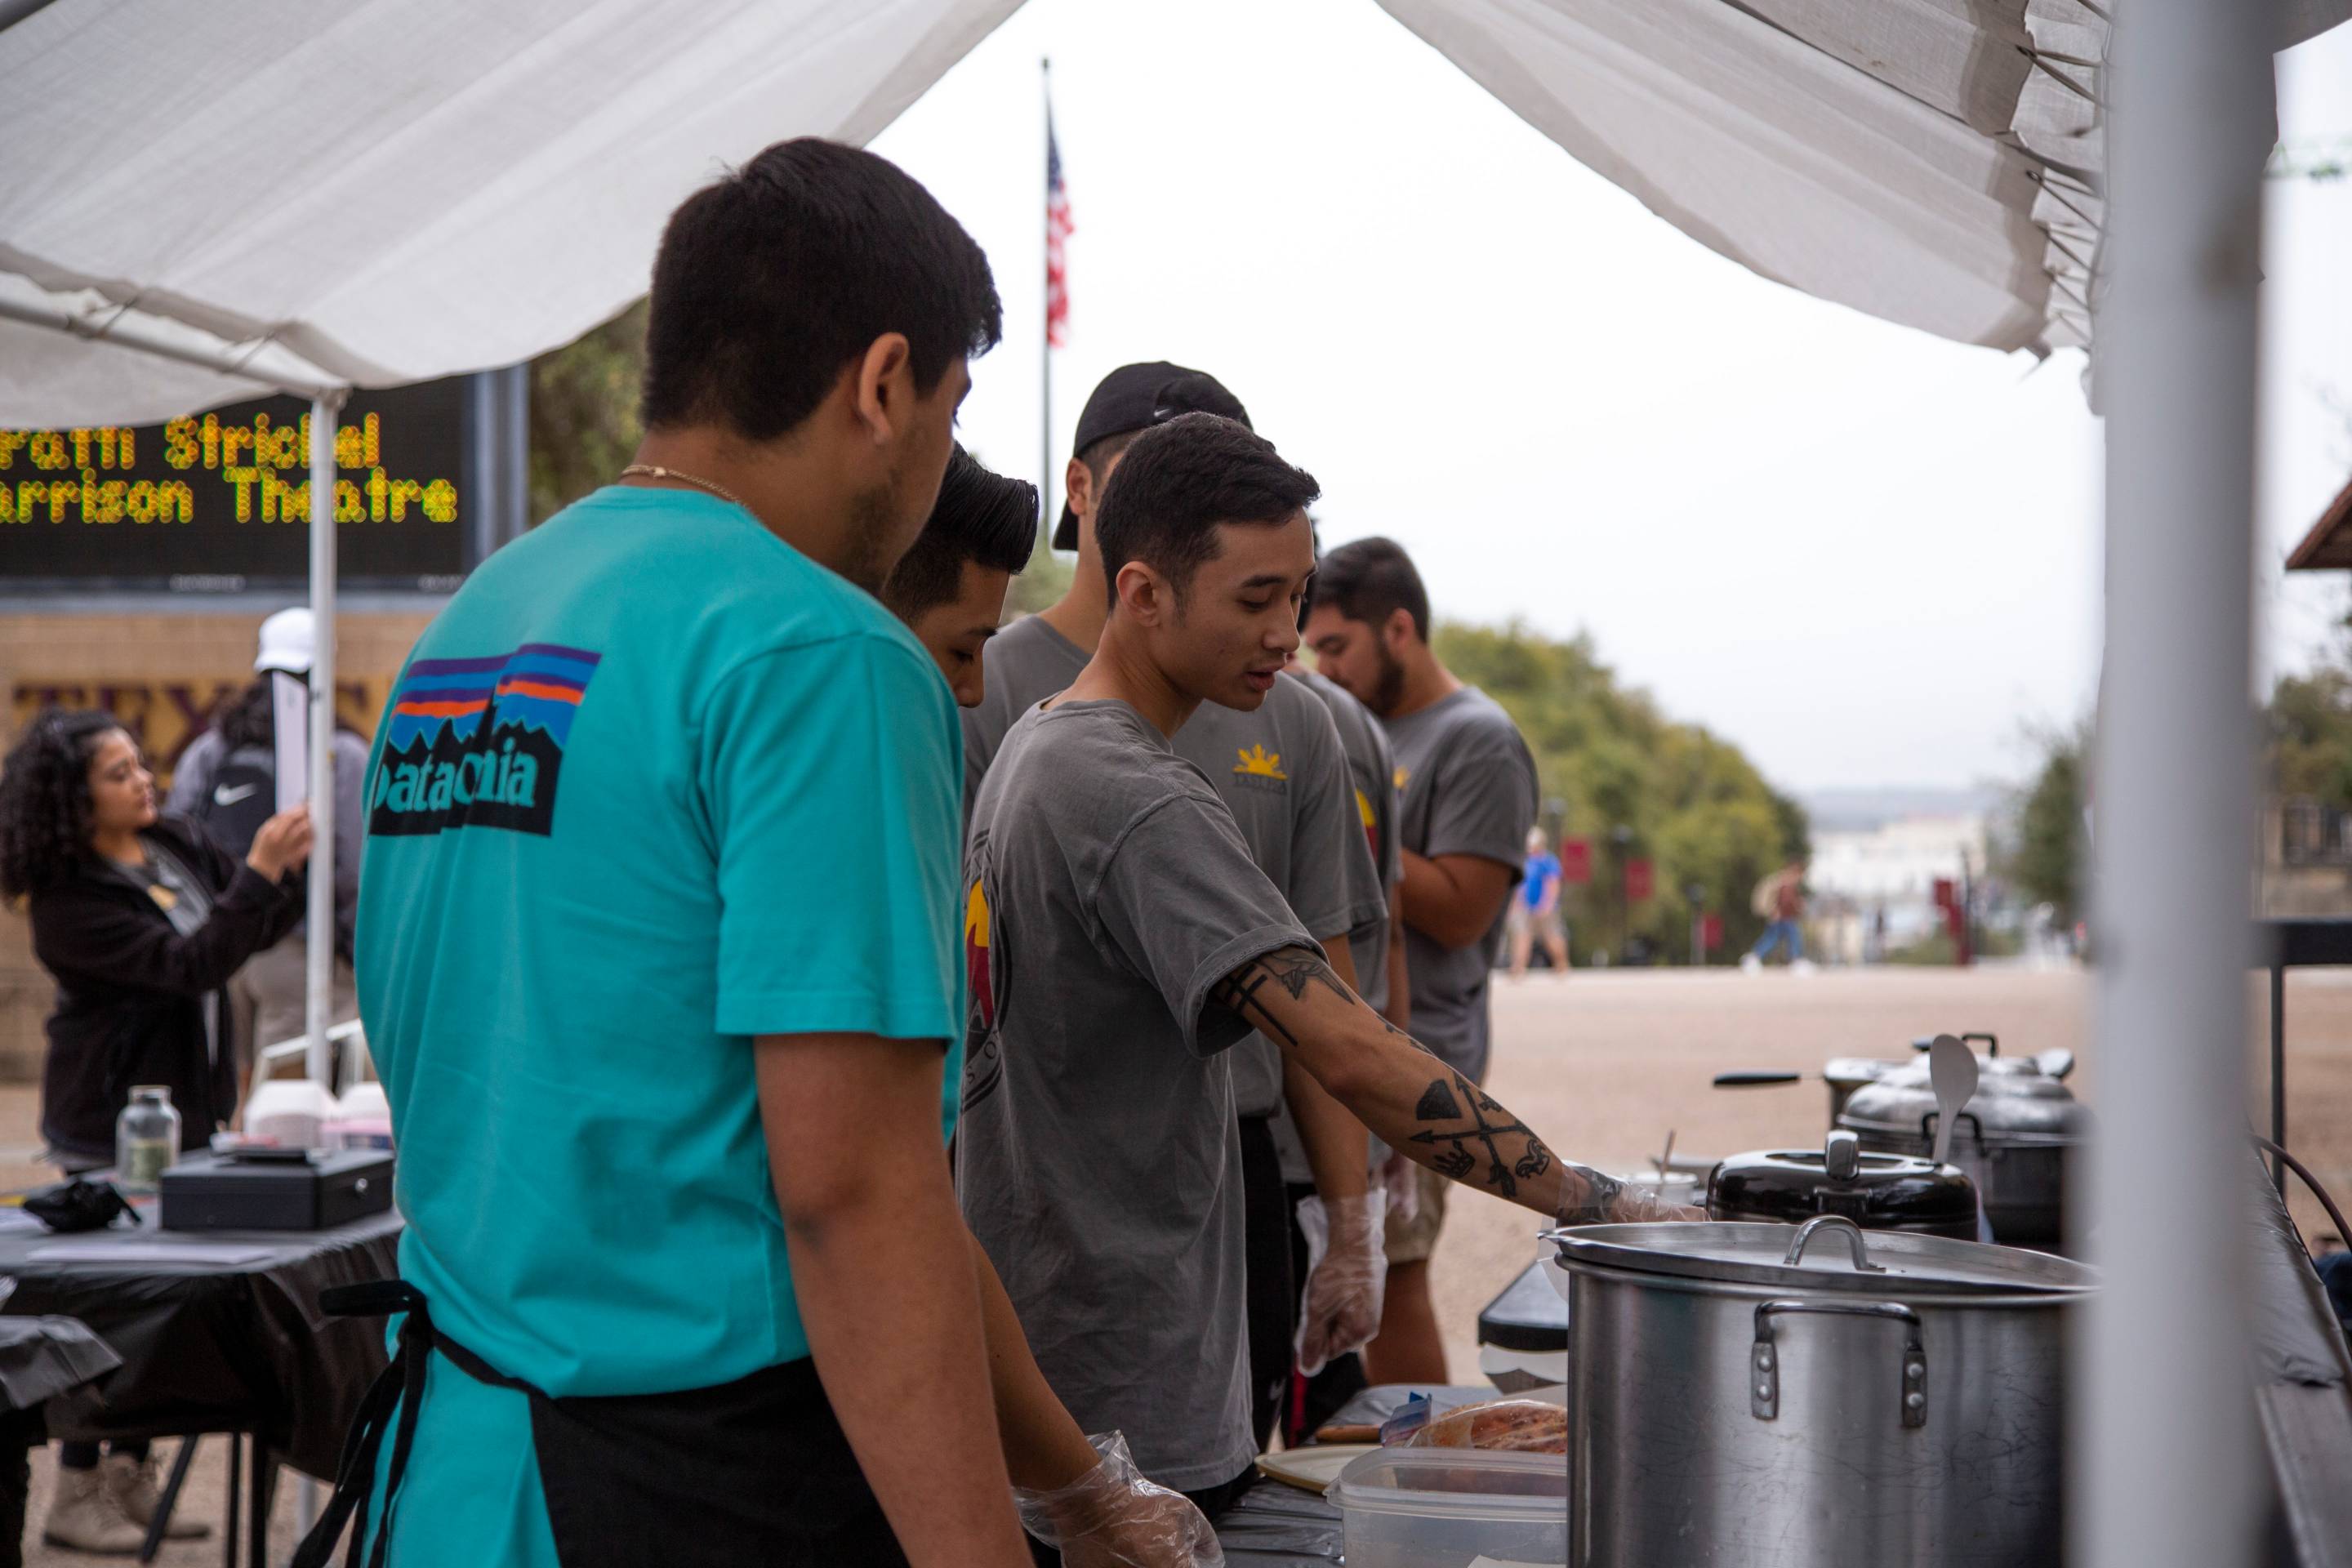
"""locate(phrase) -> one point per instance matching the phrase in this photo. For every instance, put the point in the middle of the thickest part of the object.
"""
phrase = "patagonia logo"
(478, 742)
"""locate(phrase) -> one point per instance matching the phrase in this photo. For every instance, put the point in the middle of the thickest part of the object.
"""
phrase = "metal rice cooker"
(1877, 1192)
(1747, 1396)
(2013, 1140)
(1844, 1075)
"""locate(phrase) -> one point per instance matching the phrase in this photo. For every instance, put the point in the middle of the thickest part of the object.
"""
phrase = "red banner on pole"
(1946, 893)
(1710, 932)
(1638, 881)
(1576, 862)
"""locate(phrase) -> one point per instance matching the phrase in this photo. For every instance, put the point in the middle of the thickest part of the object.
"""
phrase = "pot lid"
(1848, 1071)
(1873, 1190)
(2017, 1109)
(1902, 1263)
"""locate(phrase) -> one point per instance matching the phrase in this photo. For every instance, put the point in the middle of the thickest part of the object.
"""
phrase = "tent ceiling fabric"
(397, 189)
(393, 190)
(1933, 163)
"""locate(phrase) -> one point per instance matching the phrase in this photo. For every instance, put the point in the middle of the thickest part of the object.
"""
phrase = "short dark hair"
(1181, 480)
(769, 281)
(980, 516)
(1370, 580)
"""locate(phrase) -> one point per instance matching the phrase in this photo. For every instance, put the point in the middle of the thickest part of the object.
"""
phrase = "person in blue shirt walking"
(1534, 909)
(659, 955)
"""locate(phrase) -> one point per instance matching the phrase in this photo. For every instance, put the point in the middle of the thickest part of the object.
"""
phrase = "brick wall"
(161, 675)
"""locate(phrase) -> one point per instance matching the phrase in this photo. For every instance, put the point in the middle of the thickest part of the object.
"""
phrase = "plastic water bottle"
(146, 1139)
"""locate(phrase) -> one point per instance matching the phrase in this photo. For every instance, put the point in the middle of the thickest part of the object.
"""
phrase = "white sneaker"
(85, 1517)
(132, 1482)
(1802, 966)
(1752, 965)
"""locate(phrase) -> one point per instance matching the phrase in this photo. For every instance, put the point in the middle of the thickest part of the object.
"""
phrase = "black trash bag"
(79, 1204)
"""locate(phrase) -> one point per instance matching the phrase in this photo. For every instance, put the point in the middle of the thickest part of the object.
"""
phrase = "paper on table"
(289, 698)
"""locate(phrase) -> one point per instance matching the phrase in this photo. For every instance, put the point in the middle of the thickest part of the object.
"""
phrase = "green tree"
(1687, 801)
(583, 411)
(2043, 853)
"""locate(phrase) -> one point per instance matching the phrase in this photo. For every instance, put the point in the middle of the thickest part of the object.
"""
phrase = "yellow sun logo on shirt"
(1364, 810)
(1259, 763)
(1403, 775)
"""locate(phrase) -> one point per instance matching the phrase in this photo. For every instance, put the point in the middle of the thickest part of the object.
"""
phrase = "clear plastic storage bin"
(1453, 1508)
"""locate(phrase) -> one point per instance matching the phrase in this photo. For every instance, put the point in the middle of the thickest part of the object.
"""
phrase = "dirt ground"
(1607, 1065)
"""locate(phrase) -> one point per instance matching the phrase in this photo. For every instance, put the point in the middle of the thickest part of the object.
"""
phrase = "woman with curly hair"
(141, 918)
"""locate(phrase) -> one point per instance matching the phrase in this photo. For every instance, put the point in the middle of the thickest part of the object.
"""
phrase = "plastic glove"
(1347, 1276)
(1596, 1199)
(1113, 1518)
(1401, 1180)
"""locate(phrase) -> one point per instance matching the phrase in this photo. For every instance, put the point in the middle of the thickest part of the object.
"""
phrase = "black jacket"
(133, 993)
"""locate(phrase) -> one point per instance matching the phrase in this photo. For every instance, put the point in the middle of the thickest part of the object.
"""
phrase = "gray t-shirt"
(1468, 787)
(1107, 894)
(1281, 772)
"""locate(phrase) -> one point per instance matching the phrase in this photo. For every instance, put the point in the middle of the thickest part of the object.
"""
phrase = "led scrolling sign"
(221, 501)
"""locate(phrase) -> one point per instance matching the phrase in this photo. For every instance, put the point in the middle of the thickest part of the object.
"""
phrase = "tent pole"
(319, 948)
(2165, 1452)
(111, 328)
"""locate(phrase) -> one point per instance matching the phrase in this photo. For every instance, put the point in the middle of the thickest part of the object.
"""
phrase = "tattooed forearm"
(1495, 1147)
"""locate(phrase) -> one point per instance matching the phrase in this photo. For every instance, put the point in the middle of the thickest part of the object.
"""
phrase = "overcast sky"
(1869, 556)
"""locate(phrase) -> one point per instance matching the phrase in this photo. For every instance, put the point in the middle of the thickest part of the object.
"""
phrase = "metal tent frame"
(327, 397)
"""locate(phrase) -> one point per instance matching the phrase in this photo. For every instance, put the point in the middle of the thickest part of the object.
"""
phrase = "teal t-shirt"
(653, 783)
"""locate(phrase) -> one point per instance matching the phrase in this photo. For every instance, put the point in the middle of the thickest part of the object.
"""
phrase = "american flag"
(1057, 229)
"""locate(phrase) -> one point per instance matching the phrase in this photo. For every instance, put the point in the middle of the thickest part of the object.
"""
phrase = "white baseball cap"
(287, 641)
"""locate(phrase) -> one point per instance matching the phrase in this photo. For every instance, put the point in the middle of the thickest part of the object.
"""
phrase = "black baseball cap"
(1137, 397)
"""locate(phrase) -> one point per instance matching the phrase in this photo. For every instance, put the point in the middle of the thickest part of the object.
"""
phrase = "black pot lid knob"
(1842, 1155)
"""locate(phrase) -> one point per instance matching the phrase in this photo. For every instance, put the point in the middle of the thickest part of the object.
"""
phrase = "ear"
(885, 387)
(1143, 593)
(1396, 632)
(1078, 489)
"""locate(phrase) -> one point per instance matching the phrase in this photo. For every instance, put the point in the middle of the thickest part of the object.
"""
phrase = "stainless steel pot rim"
(1963, 1136)
(1904, 1263)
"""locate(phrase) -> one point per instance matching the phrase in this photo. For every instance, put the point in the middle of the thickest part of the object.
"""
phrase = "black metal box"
(333, 1187)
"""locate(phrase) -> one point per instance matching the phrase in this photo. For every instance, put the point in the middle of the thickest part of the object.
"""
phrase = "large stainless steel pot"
(1757, 1396)
(2013, 1140)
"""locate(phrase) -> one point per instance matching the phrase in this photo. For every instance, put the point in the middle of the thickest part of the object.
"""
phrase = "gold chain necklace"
(656, 471)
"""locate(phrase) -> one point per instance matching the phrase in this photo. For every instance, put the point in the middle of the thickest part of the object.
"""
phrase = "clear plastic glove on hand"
(1347, 1271)
(1113, 1518)
(1597, 1199)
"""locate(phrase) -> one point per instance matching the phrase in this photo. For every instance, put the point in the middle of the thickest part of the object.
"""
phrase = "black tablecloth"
(1277, 1525)
(211, 1342)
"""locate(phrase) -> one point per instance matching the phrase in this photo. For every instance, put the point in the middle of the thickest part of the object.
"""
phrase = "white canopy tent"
(387, 191)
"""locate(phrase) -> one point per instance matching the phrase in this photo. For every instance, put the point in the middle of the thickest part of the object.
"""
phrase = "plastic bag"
(1504, 1425)
(1111, 1517)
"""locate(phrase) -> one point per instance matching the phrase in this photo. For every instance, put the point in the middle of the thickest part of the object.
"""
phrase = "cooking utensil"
(1823, 1398)
(1878, 1192)
(1952, 1070)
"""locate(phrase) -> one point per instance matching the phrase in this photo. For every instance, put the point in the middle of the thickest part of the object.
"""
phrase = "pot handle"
(1992, 1042)
(1927, 1126)
(1764, 1384)
(1838, 1222)
(1753, 1080)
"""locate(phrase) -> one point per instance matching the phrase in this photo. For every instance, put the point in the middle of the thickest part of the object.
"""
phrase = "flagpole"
(1046, 323)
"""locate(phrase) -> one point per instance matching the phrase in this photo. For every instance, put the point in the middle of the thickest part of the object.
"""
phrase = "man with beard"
(1283, 775)
(1121, 938)
(1468, 789)
(658, 955)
